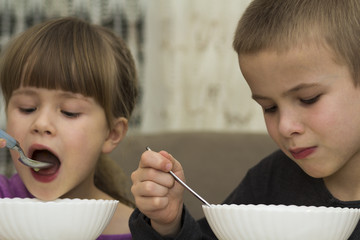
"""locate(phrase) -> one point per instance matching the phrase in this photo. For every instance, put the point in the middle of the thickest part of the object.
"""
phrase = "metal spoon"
(11, 143)
(186, 186)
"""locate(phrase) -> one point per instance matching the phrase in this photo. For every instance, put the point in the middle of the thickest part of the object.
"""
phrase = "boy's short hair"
(282, 24)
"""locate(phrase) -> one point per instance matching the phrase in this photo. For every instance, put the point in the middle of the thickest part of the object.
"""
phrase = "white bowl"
(26, 218)
(280, 222)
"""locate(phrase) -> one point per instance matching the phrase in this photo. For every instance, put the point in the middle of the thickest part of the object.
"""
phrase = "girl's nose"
(42, 124)
(290, 124)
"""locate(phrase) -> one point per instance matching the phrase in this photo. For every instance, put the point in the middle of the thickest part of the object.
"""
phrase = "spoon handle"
(10, 141)
(185, 185)
(188, 188)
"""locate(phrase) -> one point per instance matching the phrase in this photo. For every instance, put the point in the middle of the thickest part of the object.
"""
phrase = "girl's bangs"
(49, 68)
(59, 56)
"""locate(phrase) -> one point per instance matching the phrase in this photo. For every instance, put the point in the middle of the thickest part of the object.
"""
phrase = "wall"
(189, 76)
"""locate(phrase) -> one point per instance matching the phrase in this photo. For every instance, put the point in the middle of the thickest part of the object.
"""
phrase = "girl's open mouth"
(45, 174)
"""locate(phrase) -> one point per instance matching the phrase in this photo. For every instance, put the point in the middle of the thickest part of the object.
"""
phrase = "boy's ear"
(116, 134)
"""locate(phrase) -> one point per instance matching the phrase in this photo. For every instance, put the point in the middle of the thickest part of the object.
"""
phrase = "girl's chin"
(44, 195)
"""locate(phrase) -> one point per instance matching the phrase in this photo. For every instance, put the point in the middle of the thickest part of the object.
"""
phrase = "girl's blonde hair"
(73, 55)
(282, 24)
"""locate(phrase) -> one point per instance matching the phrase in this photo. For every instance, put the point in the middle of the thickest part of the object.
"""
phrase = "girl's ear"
(116, 134)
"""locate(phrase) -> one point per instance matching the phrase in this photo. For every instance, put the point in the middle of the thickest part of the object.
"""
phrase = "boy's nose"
(290, 124)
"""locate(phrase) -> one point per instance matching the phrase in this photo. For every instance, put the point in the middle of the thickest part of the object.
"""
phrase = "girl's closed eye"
(70, 114)
(27, 110)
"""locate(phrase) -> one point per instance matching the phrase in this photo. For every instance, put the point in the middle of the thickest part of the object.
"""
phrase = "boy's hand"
(157, 194)
(2, 143)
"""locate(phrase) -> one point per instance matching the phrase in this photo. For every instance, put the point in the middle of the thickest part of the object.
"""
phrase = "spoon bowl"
(11, 143)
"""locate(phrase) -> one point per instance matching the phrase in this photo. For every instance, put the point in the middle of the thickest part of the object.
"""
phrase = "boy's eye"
(310, 100)
(27, 110)
(270, 109)
(70, 114)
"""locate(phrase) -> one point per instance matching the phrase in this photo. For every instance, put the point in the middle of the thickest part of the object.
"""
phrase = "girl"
(69, 88)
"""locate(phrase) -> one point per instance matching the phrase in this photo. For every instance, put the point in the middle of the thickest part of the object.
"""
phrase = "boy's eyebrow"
(291, 90)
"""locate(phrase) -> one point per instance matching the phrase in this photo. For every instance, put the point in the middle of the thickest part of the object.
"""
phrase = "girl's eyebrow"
(24, 91)
(75, 96)
(72, 95)
(288, 92)
(31, 92)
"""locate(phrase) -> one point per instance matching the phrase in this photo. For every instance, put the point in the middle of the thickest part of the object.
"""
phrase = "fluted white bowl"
(280, 222)
(26, 218)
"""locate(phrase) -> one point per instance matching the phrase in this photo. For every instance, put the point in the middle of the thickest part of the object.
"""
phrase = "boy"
(300, 60)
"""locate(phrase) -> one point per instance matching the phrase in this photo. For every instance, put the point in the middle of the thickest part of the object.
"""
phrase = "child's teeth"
(36, 169)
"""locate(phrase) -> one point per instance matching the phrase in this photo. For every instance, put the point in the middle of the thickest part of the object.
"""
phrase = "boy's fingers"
(176, 166)
(151, 204)
(163, 179)
(150, 159)
(166, 154)
(149, 189)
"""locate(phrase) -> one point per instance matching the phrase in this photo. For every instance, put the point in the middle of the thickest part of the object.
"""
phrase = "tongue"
(46, 156)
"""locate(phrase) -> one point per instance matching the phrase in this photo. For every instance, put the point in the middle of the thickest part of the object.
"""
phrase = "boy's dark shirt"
(275, 180)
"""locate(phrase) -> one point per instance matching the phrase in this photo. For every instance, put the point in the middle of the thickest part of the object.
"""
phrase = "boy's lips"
(301, 153)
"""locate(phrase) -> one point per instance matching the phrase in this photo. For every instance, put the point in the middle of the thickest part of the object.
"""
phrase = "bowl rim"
(18, 200)
(279, 207)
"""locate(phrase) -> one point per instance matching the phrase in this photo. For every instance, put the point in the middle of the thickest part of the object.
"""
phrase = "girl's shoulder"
(126, 236)
(119, 222)
(13, 187)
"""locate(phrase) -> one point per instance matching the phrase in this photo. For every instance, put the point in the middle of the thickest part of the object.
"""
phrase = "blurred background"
(189, 75)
